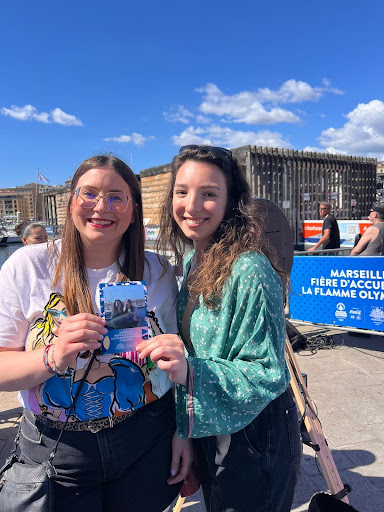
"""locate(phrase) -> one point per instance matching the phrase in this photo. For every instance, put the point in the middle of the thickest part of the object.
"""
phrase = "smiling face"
(118, 305)
(199, 201)
(98, 226)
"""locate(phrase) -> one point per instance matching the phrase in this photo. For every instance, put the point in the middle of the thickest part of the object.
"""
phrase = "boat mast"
(37, 177)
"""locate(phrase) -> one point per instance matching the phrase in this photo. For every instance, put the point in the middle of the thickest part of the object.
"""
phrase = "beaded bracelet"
(50, 364)
(46, 359)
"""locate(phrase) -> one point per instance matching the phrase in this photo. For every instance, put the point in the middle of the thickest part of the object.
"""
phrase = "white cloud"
(262, 106)
(30, 113)
(122, 138)
(26, 113)
(178, 114)
(215, 135)
(330, 150)
(202, 119)
(42, 117)
(292, 91)
(244, 107)
(136, 138)
(60, 117)
(362, 134)
(327, 88)
(296, 91)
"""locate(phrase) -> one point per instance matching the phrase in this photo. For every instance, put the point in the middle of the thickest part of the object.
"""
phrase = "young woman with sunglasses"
(115, 453)
(232, 390)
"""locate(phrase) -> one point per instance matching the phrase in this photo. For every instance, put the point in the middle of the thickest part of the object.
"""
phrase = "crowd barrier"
(338, 291)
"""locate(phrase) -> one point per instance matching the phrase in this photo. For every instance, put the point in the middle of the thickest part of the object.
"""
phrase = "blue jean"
(255, 469)
(124, 468)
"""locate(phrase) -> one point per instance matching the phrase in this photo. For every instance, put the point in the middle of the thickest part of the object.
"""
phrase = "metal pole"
(337, 328)
(35, 212)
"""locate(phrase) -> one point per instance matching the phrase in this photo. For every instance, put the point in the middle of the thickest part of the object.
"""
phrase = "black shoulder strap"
(73, 405)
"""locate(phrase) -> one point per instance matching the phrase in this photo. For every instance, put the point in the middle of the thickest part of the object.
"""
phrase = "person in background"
(33, 234)
(371, 242)
(232, 391)
(330, 234)
(19, 227)
(120, 450)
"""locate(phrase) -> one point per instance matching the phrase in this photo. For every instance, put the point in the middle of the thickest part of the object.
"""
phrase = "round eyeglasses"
(88, 197)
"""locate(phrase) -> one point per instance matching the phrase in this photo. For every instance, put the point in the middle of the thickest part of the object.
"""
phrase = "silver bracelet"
(67, 372)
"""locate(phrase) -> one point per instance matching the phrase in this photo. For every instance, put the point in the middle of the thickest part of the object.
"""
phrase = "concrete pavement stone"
(363, 409)
(371, 365)
(374, 474)
(322, 403)
(367, 454)
(339, 364)
(355, 376)
(379, 378)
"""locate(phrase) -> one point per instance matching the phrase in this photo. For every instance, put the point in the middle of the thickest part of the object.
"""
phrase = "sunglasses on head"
(216, 150)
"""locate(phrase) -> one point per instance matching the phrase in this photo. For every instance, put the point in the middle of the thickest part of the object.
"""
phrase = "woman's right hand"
(168, 351)
(76, 334)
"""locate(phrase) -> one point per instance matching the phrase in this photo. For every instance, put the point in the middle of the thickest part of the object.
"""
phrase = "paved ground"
(347, 385)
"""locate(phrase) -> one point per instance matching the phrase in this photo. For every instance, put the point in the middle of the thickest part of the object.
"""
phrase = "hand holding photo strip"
(124, 307)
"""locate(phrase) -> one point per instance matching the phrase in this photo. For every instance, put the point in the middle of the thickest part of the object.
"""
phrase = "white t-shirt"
(30, 317)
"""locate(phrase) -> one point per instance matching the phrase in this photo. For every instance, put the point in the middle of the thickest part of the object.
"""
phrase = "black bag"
(324, 502)
(298, 340)
(28, 487)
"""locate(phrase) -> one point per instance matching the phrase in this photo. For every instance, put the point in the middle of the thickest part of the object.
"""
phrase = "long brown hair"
(241, 229)
(71, 265)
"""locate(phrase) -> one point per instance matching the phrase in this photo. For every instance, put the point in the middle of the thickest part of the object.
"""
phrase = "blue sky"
(139, 79)
(123, 292)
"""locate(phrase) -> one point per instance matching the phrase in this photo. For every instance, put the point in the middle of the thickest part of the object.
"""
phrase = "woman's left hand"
(182, 455)
(168, 351)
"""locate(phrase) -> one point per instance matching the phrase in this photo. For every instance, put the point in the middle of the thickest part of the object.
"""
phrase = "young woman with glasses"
(232, 390)
(115, 453)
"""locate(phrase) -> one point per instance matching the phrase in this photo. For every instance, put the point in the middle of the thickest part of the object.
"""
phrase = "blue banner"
(347, 291)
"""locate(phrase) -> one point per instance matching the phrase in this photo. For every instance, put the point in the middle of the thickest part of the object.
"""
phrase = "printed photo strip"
(124, 306)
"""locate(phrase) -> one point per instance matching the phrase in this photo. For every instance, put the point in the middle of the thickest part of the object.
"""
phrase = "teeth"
(101, 222)
(194, 222)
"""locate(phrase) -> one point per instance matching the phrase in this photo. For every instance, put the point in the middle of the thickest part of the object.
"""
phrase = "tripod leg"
(313, 426)
(179, 504)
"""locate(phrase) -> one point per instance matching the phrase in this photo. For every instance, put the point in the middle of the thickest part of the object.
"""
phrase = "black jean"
(255, 469)
(124, 468)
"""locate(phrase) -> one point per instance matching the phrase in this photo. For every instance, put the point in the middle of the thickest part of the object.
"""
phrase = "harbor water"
(7, 250)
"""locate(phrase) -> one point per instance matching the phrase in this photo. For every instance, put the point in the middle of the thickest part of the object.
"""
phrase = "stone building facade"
(296, 181)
